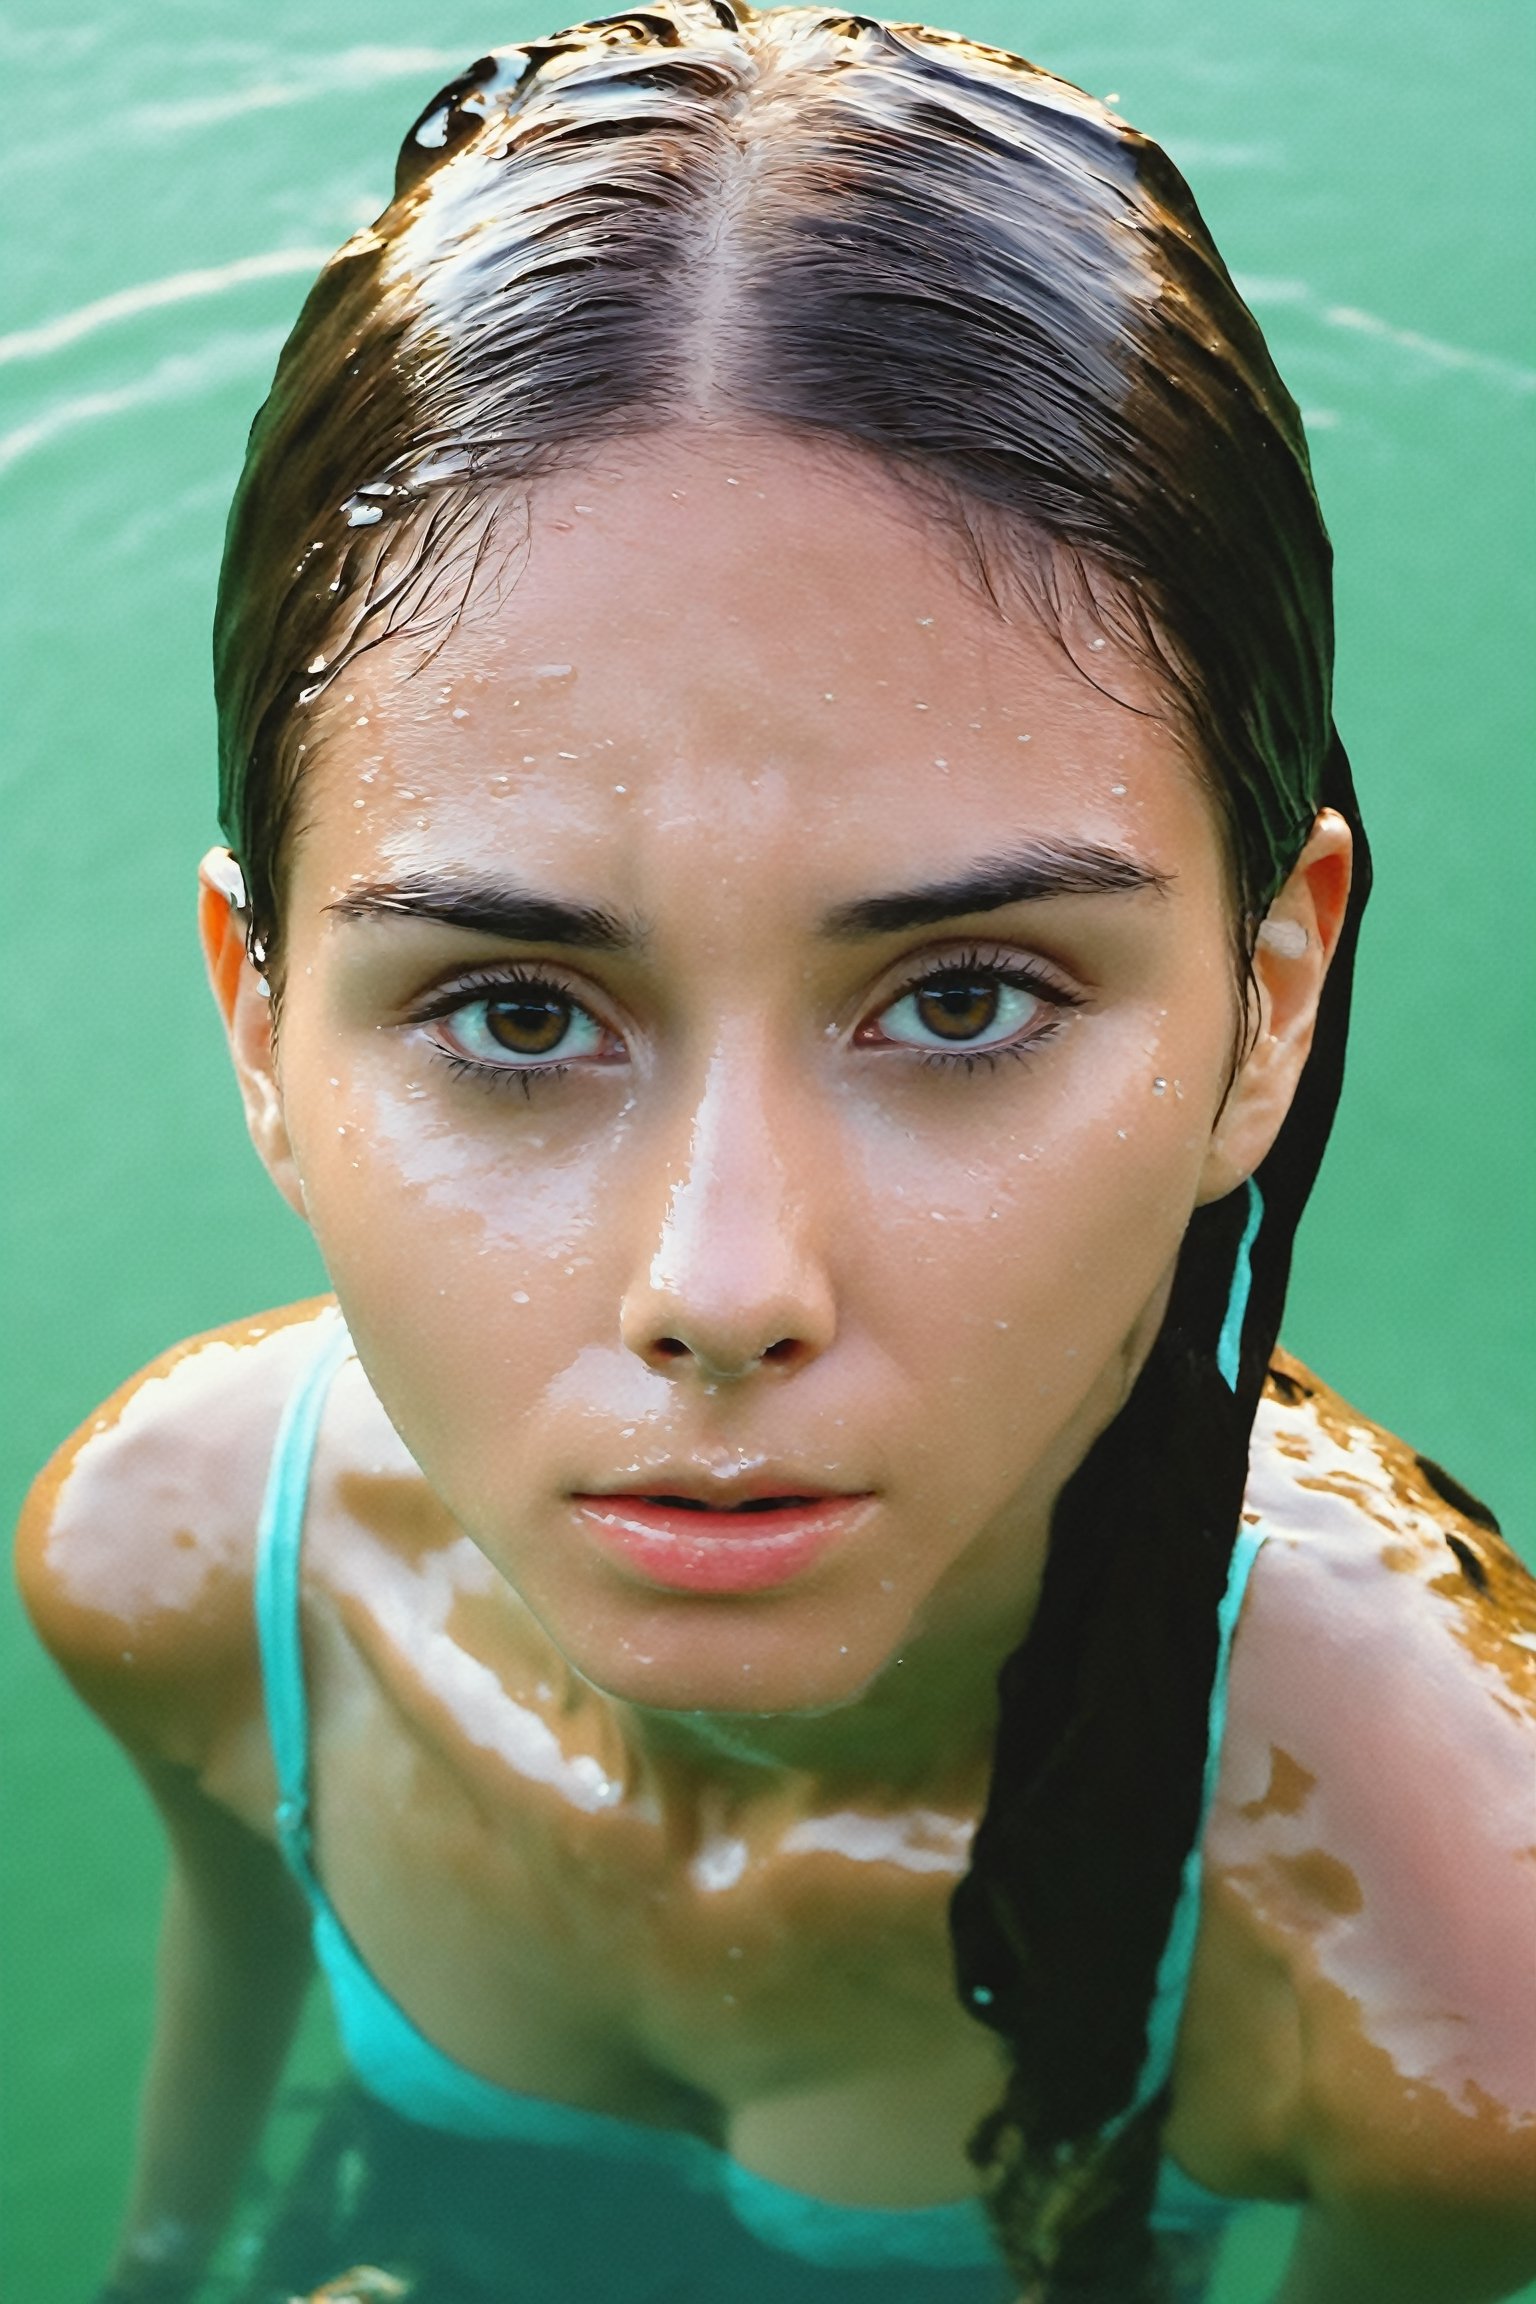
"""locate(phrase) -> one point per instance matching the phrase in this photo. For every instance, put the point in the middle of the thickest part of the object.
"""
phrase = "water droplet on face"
(1118, 791)
(621, 787)
(1097, 642)
(925, 621)
(460, 712)
(1159, 1087)
(519, 1295)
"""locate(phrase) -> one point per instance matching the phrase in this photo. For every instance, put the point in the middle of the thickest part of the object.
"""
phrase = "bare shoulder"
(1383, 1563)
(1373, 1840)
(135, 1547)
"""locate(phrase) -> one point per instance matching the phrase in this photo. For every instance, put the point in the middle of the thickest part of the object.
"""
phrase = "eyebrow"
(520, 915)
(1033, 874)
(503, 908)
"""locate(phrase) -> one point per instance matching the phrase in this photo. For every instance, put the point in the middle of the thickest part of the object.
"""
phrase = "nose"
(733, 1280)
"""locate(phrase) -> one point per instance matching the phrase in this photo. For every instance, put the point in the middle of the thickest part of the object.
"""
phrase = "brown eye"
(533, 1023)
(968, 1007)
(519, 1025)
(956, 1007)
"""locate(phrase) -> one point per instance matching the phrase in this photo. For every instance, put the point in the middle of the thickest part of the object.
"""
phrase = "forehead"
(765, 651)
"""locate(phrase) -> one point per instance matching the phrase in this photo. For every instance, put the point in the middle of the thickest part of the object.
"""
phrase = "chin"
(716, 1670)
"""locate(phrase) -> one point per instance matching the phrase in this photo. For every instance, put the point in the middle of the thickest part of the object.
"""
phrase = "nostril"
(784, 1349)
(670, 1348)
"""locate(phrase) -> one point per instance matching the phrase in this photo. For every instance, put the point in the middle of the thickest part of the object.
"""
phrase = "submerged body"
(573, 1916)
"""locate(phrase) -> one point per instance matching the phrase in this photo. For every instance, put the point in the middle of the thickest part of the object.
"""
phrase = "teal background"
(1367, 169)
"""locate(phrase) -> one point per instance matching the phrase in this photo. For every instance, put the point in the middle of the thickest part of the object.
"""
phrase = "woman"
(788, 923)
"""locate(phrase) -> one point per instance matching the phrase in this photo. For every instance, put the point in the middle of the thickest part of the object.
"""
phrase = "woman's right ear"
(241, 995)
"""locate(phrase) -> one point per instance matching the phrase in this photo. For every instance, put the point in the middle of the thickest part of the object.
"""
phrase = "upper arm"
(1374, 1833)
(229, 1882)
(1407, 2251)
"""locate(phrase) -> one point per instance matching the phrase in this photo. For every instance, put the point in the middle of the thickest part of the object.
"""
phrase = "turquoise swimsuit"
(398, 2065)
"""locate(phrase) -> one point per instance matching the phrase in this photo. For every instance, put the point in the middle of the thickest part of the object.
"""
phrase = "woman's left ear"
(241, 996)
(1294, 948)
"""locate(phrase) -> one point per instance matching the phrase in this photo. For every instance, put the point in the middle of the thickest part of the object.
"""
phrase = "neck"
(923, 1727)
(925, 1722)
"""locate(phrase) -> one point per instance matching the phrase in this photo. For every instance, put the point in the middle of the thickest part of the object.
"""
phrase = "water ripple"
(346, 68)
(181, 376)
(1264, 294)
(151, 295)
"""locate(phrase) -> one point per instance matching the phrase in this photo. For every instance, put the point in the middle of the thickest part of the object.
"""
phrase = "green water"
(1368, 172)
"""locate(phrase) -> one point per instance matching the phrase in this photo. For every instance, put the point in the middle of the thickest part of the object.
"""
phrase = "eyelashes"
(521, 1023)
(516, 1024)
(971, 1009)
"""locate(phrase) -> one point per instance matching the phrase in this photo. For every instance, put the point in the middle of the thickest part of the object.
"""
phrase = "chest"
(778, 1982)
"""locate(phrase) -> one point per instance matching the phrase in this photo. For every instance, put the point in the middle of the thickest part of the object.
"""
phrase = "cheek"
(471, 1258)
(1062, 1197)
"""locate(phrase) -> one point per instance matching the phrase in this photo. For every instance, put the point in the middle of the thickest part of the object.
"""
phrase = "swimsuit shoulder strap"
(1172, 1989)
(279, 1539)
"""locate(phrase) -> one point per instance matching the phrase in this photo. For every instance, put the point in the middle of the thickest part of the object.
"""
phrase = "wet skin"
(820, 1204)
(766, 1221)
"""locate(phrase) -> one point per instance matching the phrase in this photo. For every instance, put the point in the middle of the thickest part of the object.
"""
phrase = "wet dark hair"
(897, 239)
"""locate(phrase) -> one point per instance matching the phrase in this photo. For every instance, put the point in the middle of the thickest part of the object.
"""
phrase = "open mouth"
(749, 1544)
(748, 1504)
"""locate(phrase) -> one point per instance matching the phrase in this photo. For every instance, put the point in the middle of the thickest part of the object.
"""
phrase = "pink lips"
(747, 1547)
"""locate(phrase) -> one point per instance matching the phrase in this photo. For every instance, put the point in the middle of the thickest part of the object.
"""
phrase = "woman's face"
(753, 1027)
